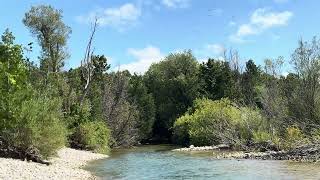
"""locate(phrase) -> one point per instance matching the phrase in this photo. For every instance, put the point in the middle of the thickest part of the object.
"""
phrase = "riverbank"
(302, 154)
(67, 165)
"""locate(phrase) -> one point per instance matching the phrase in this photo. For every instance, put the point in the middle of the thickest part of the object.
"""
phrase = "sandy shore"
(67, 165)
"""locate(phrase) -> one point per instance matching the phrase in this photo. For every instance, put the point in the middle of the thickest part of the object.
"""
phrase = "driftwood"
(29, 154)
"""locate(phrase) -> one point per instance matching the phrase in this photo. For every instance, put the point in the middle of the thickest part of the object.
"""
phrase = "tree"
(139, 96)
(30, 121)
(250, 81)
(273, 99)
(215, 79)
(120, 115)
(46, 24)
(87, 67)
(13, 74)
(233, 59)
(174, 85)
(97, 87)
(306, 61)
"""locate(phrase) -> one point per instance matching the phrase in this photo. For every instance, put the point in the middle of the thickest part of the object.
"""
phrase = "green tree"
(46, 24)
(216, 79)
(250, 82)
(174, 85)
(306, 61)
(139, 96)
(30, 121)
(97, 87)
(13, 73)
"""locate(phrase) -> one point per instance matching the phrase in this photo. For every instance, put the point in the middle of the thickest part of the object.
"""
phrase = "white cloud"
(210, 51)
(117, 17)
(216, 49)
(245, 30)
(176, 3)
(269, 19)
(143, 59)
(260, 21)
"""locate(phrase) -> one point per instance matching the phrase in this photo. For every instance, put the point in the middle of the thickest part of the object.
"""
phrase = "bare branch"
(86, 63)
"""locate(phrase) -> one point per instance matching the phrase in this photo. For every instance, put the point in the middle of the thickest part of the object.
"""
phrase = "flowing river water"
(159, 162)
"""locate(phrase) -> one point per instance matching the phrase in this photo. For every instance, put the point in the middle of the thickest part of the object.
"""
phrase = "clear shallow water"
(158, 162)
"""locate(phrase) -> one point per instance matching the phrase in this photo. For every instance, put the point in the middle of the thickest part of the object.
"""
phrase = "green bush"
(93, 136)
(261, 136)
(293, 138)
(79, 114)
(211, 122)
(181, 130)
(214, 122)
(36, 123)
(315, 136)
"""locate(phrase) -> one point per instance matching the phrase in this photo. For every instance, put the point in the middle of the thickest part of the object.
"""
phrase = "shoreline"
(300, 154)
(68, 164)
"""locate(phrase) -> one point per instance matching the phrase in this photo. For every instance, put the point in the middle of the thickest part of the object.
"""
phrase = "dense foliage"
(28, 120)
(218, 122)
(174, 85)
(43, 107)
(94, 136)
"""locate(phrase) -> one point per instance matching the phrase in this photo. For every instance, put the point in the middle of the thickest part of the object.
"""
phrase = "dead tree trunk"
(86, 65)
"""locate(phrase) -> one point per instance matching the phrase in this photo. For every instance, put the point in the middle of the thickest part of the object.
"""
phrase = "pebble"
(67, 165)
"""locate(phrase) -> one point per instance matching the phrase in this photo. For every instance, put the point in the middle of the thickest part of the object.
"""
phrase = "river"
(159, 162)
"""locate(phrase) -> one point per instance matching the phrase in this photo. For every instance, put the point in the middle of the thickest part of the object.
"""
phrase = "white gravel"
(67, 165)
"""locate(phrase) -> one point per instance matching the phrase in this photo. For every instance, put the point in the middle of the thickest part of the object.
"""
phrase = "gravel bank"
(204, 148)
(307, 153)
(67, 165)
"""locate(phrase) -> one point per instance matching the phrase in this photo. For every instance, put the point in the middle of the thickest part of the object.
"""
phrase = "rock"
(223, 146)
(191, 146)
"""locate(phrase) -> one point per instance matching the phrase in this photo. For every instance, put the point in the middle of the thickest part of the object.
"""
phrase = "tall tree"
(274, 103)
(13, 77)
(46, 24)
(250, 81)
(174, 85)
(120, 114)
(99, 79)
(216, 79)
(306, 61)
(144, 101)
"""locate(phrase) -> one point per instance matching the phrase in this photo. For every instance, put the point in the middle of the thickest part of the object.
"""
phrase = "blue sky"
(135, 33)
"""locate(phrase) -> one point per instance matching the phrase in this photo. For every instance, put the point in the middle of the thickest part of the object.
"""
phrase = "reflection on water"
(158, 162)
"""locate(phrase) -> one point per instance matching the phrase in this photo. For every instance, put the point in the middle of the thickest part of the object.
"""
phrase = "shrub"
(208, 123)
(213, 122)
(261, 136)
(79, 114)
(293, 137)
(251, 120)
(315, 136)
(93, 136)
(181, 130)
(36, 123)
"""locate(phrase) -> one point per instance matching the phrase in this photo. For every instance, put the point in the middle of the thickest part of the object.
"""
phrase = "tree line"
(178, 100)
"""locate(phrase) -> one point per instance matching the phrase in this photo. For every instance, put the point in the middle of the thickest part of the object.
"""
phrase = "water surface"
(159, 162)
